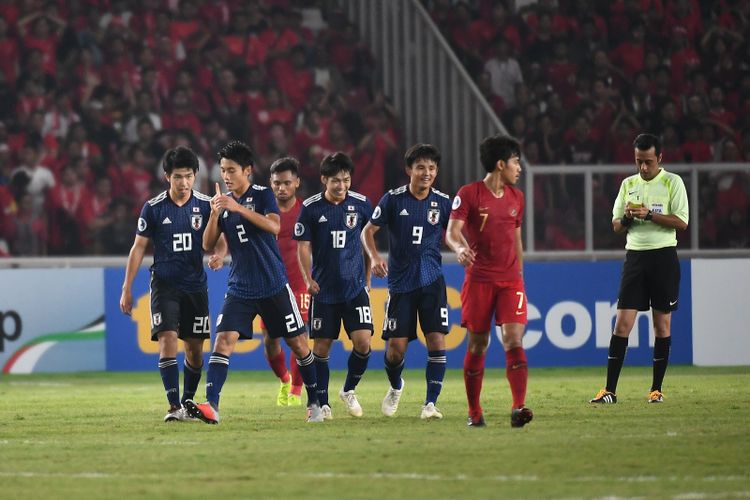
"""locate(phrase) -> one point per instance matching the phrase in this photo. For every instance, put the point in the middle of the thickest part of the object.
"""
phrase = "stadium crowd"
(92, 92)
(577, 80)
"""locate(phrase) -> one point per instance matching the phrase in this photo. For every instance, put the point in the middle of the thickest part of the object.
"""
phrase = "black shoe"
(520, 417)
(604, 397)
(476, 422)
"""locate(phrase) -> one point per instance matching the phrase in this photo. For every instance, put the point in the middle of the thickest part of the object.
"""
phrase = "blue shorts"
(279, 312)
(429, 303)
(175, 310)
(325, 319)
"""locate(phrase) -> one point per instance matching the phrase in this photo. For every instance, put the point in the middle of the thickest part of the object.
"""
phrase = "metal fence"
(438, 101)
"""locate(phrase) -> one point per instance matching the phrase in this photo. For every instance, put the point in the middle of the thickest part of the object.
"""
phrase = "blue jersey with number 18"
(415, 231)
(177, 235)
(333, 231)
(257, 269)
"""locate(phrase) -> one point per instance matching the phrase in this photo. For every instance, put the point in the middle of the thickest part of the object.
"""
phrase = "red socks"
(297, 382)
(517, 372)
(278, 365)
(473, 376)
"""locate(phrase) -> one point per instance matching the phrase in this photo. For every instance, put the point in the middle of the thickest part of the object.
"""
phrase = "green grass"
(102, 436)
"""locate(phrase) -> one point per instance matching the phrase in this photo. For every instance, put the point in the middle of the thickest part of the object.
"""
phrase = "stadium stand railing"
(420, 71)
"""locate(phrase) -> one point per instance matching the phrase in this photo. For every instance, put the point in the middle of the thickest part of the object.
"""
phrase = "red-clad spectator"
(89, 149)
(181, 115)
(26, 230)
(561, 25)
(371, 155)
(485, 86)
(43, 35)
(117, 18)
(295, 78)
(119, 65)
(255, 99)
(629, 56)
(132, 177)
(187, 27)
(309, 141)
(486, 29)
(694, 148)
(66, 214)
(717, 111)
(682, 59)
(275, 111)
(199, 101)
(671, 148)
(9, 53)
(277, 41)
(560, 69)
(60, 117)
(686, 16)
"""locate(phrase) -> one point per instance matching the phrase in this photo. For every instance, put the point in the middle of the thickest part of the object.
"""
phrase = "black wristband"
(626, 221)
(649, 215)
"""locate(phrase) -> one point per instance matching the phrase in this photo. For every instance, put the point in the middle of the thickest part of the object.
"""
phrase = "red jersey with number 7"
(490, 225)
(288, 246)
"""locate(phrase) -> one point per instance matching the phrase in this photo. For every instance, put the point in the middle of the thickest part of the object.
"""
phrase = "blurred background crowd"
(92, 92)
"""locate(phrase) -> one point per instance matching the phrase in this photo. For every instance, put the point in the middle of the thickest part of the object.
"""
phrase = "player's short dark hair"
(285, 164)
(422, 151)
(335, 163)
(179, 157)
(495, 148)
(644, 142)
(238, 152)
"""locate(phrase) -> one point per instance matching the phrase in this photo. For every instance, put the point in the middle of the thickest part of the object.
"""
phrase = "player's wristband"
(649, 215)
(625, 221)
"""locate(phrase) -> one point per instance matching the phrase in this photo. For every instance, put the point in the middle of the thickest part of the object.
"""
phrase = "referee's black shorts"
(650, 279)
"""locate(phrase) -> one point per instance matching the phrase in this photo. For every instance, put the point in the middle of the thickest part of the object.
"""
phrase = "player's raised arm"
(456, 241)
(212, 232)
(378, 266)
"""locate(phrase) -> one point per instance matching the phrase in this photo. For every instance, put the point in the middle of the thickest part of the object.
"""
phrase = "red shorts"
(303, 302)
(506, 300)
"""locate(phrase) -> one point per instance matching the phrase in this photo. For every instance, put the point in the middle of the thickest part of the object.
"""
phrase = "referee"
(650, 207)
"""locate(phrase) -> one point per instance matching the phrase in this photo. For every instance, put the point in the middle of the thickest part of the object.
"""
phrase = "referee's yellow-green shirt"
(664, 194)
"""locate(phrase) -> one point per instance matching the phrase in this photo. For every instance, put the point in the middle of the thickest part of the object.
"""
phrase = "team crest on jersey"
(433, 216)
(513, 212)
(351, 220)
(196, 221)
(317, 323)
(156, 319)
(392, 323)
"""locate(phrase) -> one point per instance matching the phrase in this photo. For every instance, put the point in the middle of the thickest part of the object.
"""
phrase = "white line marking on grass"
(712, 495)
(40, 384)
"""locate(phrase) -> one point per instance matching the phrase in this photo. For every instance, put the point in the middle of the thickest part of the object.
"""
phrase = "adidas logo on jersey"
(404, 212)
(166, 221)
(322, 219)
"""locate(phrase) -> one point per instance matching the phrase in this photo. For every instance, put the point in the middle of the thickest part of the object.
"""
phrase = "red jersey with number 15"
(490, 228)
(288, 246)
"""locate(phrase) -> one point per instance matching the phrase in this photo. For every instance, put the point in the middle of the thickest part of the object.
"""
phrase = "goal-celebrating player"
(328, 235)
(248, 216)
(175, 221)
(416, 216)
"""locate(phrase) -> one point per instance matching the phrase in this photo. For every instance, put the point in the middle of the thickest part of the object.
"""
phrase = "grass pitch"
(102, 436)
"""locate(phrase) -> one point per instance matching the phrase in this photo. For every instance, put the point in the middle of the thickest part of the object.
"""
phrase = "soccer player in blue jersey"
(328, 234)
(175, 220)
(248, 216)
(416, 216)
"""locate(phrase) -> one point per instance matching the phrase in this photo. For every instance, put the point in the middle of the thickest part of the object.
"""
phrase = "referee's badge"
(351, 220)
(317, 323)
(392, 324)
(433, 216)
(196, 221)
